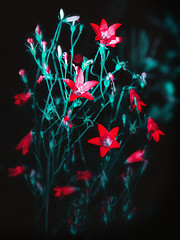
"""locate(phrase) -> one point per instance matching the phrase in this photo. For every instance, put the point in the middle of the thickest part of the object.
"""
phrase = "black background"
(156, 196)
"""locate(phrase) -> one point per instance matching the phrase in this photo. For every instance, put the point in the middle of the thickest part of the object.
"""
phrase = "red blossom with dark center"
(63, 191)
(105, 34)
(21, 98)
(136, 156)
(79, 87)
(153, 130)
(84, 175)
(24, 144)
(140, 103)
(106, 141)
(13, 172)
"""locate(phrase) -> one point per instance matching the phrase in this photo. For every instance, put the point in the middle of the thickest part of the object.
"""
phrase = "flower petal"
(112, 29)
(95, 141)
(113, 133)
(70, 83)
(87, 95)
(115, 41)
(72, 18)
(103, 132)
(155, 135)
(160, 132)
(79, 78)
(103, 151)
(103, 25)
(114, 144)
(73, 97)
(88, 85)
(96, 29)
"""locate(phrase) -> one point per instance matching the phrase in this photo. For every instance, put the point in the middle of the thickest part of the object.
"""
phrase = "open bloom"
(153, 130)
(139, 103)
(24, 144)
(79, 87)
(84, 175)
(21, 98)
(63, 191)
(136, 156)
(13, 172)
(106, 141)
(105, 34)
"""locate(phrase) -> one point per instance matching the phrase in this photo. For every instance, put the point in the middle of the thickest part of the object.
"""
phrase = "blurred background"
(151, 32)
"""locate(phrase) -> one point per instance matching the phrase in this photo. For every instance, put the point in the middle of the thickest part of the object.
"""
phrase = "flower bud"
(61, 13)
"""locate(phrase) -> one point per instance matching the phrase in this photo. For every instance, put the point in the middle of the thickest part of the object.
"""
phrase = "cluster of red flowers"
(79, 88)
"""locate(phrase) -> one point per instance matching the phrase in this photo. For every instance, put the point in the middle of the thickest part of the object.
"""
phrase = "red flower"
(21, 98)
(84, 175)
(106, 34)
(40, 79)
(67, 122)
(79, 87)
(63, 191)
(106, 139)
(153, 130)
(13, 172)
(133, 95)
(136, 156)
(24, 144)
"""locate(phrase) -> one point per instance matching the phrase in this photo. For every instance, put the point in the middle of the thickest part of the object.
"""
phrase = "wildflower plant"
(74, 98)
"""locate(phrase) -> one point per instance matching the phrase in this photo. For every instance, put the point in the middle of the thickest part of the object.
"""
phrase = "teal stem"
(71, 51)
(119, 102)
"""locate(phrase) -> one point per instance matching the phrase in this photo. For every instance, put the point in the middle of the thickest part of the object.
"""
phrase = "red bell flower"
(106, 141)
(136, 156)
(153, 130)
(63, 191)
(24, 144)
(21, 98)
(105, 34)
(84, 175)
(79, 87)
(139, 103)
(13, 172)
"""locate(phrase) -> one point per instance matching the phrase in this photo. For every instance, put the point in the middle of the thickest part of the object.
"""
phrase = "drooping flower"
(136, 156)
(40, 79)
(135, 100)
(67, 122)
(24, 144)
(79, 87)
(21, 98)
(105, 34)
(153, 130)
(63, 191)
(13, 172)
(106, 141)
(84, 175)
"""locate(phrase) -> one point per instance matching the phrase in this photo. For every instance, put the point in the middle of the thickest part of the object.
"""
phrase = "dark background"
(156, 197)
